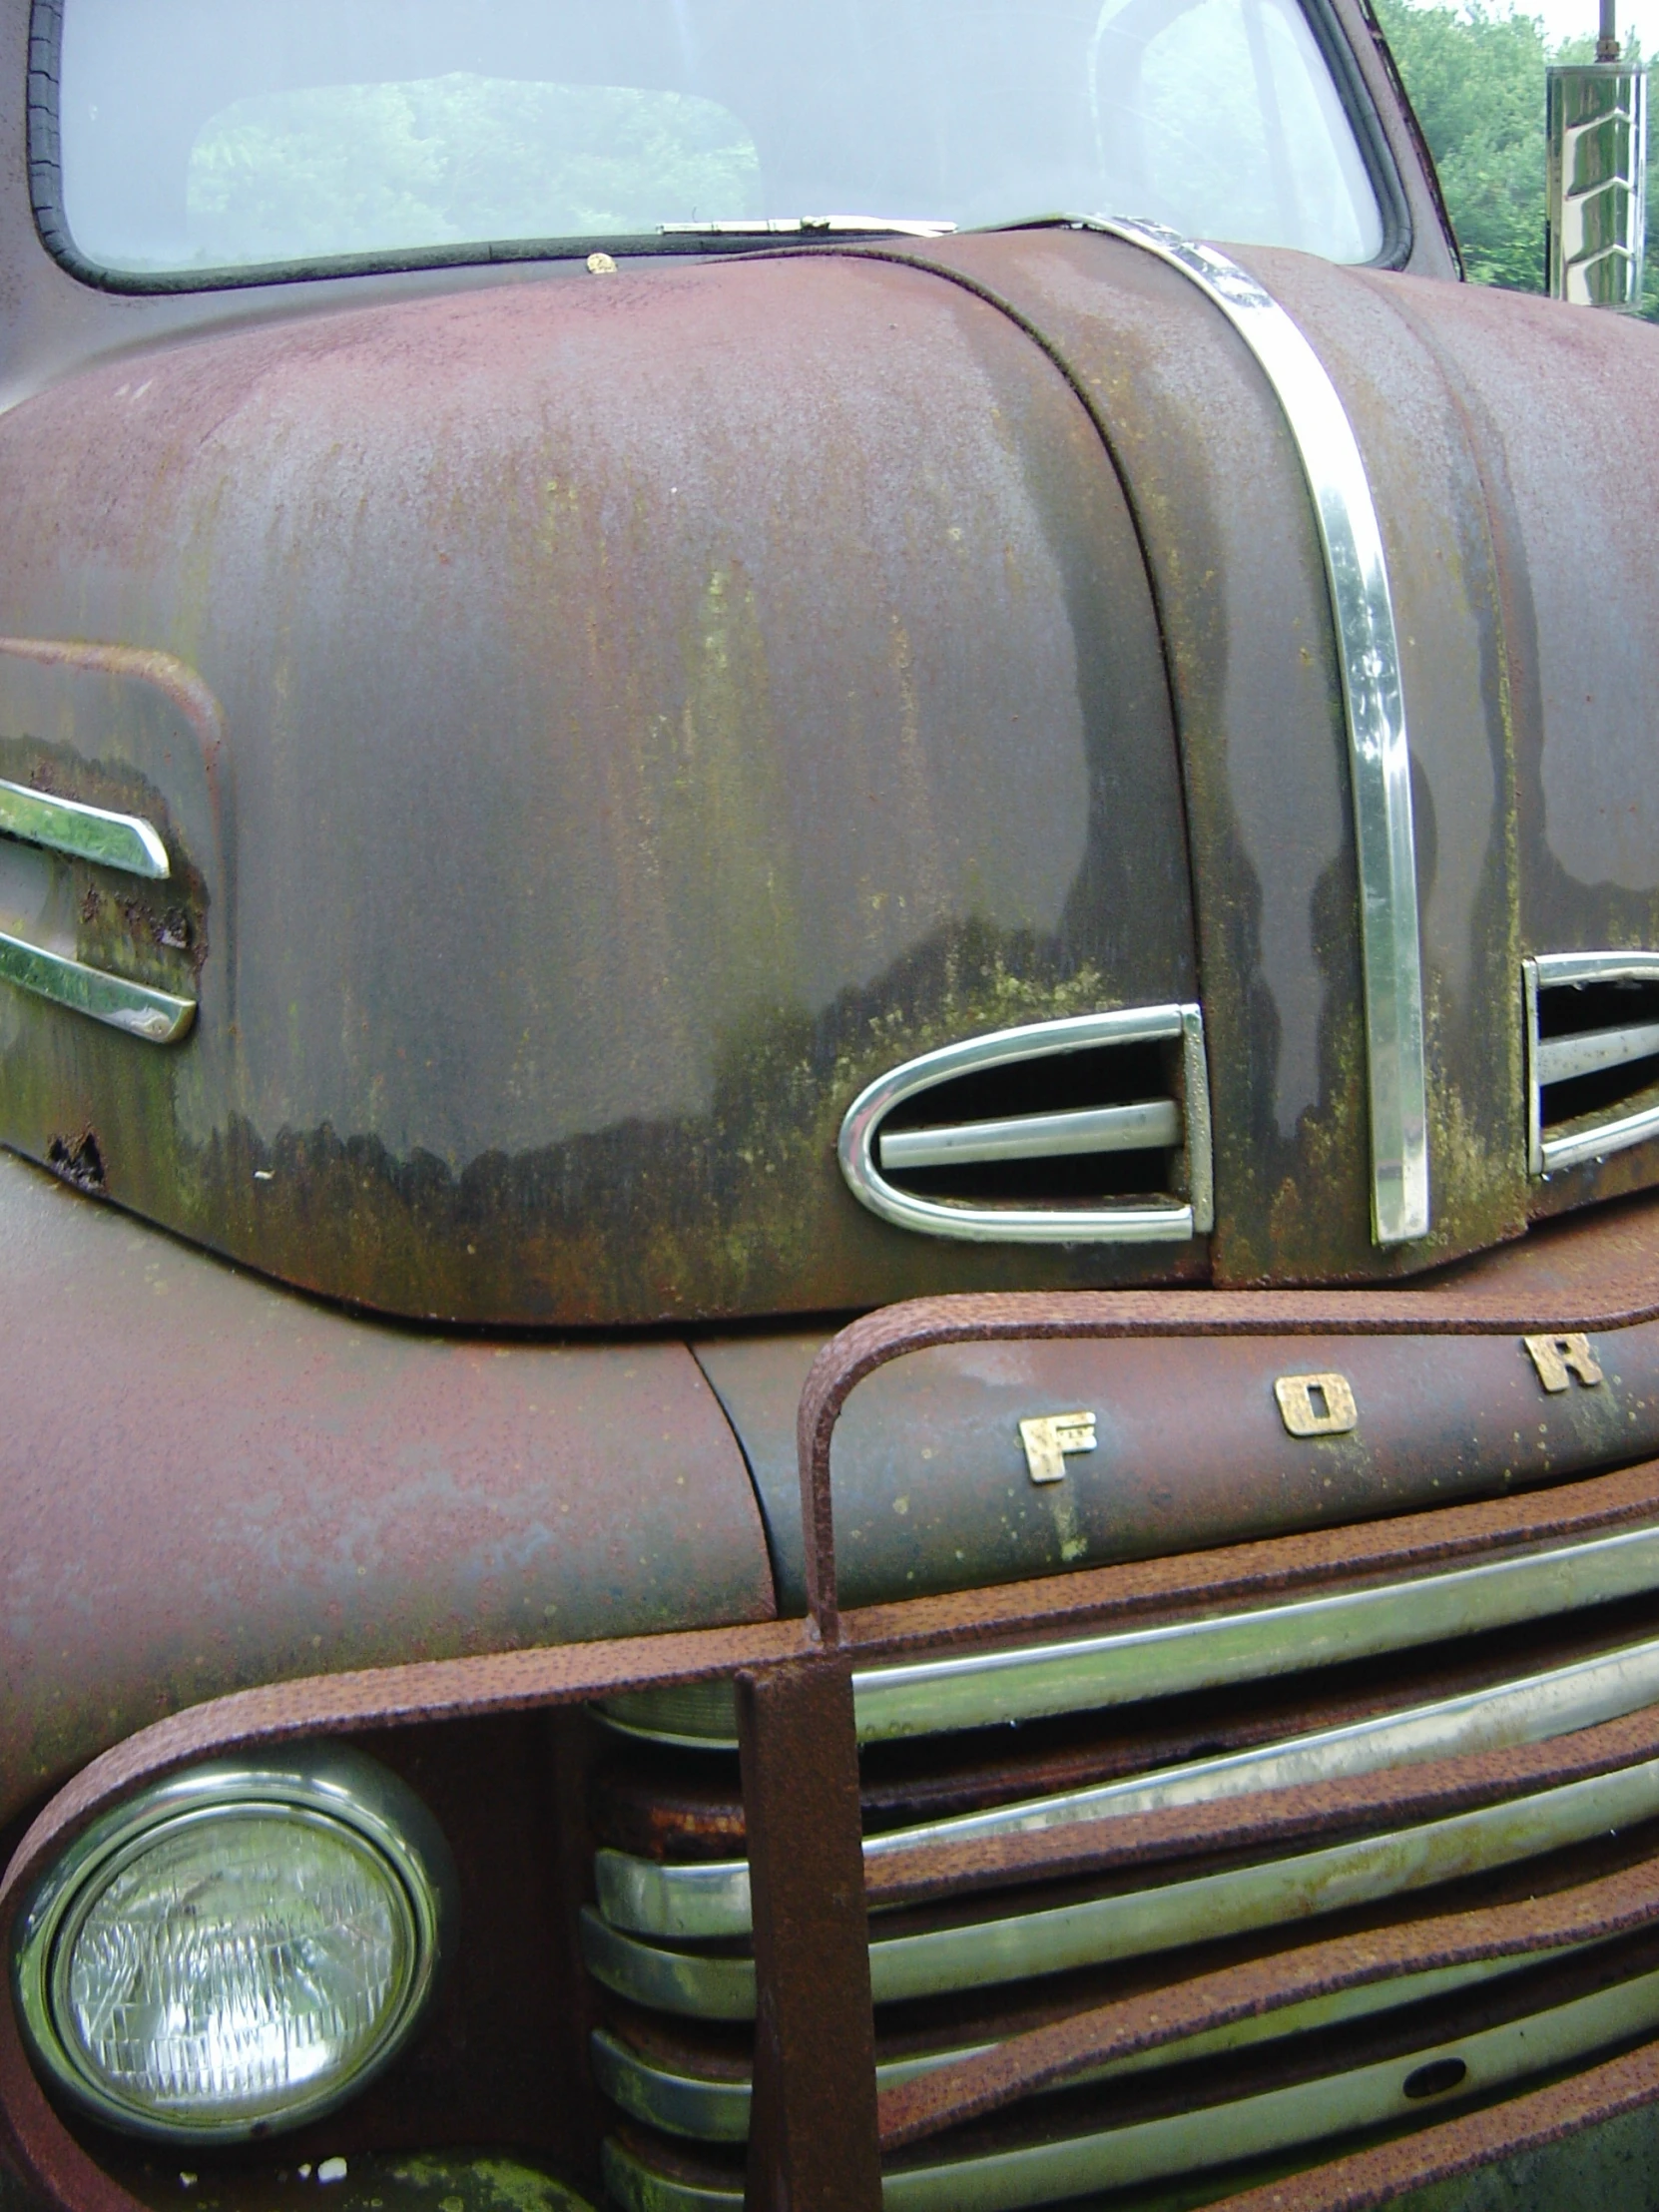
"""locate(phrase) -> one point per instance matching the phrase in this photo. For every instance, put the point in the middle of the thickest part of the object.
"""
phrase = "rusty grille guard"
(819, 2127)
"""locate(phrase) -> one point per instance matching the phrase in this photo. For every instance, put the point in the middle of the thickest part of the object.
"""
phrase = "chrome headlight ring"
(325, 1797)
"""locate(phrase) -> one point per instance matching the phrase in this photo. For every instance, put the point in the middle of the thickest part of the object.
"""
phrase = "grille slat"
(1507, 1784)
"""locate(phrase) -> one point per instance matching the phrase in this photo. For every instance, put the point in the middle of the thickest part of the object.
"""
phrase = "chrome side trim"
(124, 842)
(155, 1016)
(1552, 1059)
(1213, 2135)
(685, 1903)
(716, 2110)
(1378, 758)
(931, 1696)
(1144, 1222)
(1154, 1123)
(1279, 1892)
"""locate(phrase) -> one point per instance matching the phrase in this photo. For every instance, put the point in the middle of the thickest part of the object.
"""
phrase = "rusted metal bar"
(1393, 1797)
(1051, 2055)
(1376, 2176)
(813, 2142)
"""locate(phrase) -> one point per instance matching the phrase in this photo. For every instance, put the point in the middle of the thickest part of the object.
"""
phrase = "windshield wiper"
(810, 225)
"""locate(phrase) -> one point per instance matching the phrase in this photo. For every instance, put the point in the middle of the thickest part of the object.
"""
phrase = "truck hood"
(602, 723)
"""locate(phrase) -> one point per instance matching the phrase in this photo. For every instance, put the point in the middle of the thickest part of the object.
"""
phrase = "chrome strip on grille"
(690, 1901)
(930, 1696)
(716, 2110)
(1134, 1923)
(157, 1018)
(1379, 761)
(124, 842)
(934, 1696)
(1211, 2135)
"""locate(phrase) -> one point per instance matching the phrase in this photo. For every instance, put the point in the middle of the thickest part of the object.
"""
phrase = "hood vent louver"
(1093, 1130)
(1592, 1021)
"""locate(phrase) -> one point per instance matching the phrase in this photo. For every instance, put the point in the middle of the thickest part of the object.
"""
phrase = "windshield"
(198, 134)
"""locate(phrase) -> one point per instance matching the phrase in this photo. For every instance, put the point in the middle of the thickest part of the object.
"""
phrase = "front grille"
(1173, 1799)
(1593, 1055)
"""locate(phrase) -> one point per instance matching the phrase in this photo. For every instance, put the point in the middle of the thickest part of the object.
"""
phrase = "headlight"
(237, 1949)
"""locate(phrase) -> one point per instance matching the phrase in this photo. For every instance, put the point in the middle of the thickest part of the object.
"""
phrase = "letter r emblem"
(1557, 1359)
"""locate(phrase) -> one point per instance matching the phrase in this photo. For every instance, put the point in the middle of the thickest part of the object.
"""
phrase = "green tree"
(1476, 79)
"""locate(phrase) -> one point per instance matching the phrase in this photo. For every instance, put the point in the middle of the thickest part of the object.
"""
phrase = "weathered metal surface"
(933, 1491)
(813, 2144)
(1621, 1904)
(786, 914)
(209, 1484)
(1580, 1278)
(1230, 536)
(1568, 495)
(771, 690)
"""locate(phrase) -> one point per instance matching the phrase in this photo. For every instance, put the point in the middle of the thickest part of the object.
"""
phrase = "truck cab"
(829, 1097)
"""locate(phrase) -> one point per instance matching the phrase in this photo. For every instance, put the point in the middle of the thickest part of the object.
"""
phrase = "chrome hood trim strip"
(1380, 762)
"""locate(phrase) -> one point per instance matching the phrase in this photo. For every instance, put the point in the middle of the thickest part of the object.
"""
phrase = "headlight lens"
(237, 1950)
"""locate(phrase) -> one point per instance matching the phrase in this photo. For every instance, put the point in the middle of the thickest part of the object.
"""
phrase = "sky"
(1579, 18)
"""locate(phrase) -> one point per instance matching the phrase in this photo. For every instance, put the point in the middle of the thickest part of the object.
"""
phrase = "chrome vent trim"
(1598, 1049)
(132, 846)
(869, 1154)
(1374, 698)
(124, 842)
(154, 1018)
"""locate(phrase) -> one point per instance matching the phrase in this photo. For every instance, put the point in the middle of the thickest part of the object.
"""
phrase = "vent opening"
(1024, 1103)
(1090, 1130)
(1593, 1031)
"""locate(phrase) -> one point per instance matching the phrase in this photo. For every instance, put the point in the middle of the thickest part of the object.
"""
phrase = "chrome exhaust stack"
(1596, 213)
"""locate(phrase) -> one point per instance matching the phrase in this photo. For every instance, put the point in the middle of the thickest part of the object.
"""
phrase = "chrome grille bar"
(1279, 1892)
(685, 1902)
